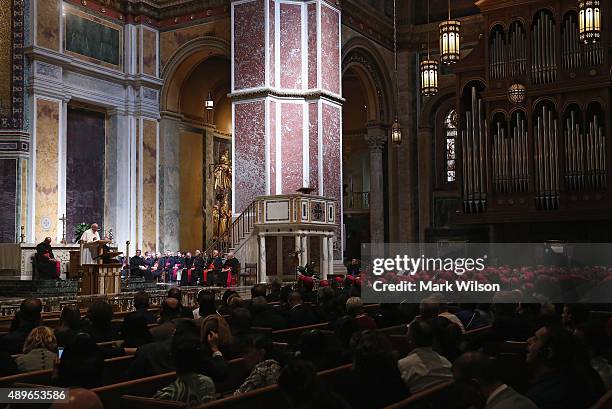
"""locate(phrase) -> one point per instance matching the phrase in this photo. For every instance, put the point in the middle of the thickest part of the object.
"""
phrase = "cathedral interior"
(163, 120)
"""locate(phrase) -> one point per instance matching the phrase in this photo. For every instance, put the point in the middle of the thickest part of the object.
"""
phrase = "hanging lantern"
(396, 133)
(429, 77)
(517, 93)
(209, 104)
(589, 19)
(449, 41)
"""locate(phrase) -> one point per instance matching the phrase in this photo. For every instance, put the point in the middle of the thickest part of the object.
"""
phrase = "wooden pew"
(292, 335)
(114, 371)
(605, 402)
(435, 397)
(110, 395)
(396, 329)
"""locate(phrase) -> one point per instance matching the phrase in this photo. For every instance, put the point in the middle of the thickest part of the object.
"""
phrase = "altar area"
(16, 259)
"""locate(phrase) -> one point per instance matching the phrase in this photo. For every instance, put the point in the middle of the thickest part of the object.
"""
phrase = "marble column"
(262, 259)
(286, 99)
(376, 139)
(325, 257)
(120, 189)
(305, 258)
(169, 182)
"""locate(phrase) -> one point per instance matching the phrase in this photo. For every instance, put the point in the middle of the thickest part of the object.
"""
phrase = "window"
(450, 132)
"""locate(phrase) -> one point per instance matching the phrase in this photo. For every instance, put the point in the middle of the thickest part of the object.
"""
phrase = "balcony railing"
(356, 201)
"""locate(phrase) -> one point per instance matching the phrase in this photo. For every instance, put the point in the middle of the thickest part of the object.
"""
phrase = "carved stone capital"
(376, 142)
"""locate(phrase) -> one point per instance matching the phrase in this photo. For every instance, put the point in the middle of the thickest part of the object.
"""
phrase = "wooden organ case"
(533, 105)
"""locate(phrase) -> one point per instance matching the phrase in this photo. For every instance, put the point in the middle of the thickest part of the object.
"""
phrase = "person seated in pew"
(69, 325)
(354, 308)
(372, 357)
(175, 292)
(477, 376)
(302, 388)
(81, 364)
(562, 377)
(275, 291)
(298, 314)
(190, 386)
(327, 308)
(240, 328)
(26, 319)
(156, 357)
(79, 398)
(135, 331)
(323, 352)
(265, 316)
(423, 367)
(8, 366)
(305, 286)
(141, 308)
(264, 363)
(39, 351)
(593, 335)
(99, 322)
(206, 306)
(169, 313)
(217, 327)
(470, 316)
(229, 301)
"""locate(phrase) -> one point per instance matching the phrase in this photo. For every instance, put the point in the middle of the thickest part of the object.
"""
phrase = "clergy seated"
(46, 267)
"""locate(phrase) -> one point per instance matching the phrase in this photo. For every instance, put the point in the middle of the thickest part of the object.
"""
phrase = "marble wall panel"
(271, 261)
(249, 152)
(291, 45)
(191, 190)
(8, 198)
(272, 43)
(85, 141)
(313, 144)
(332, 161)
(292, 147)
(312, 45)
(288, 247)
(149, 185)
(48, 23)
(169, 184)
(330, 49)
(24, 193)
(272, 139)
(149, 52)
(47, 142)
(170, 41)
(249, 43)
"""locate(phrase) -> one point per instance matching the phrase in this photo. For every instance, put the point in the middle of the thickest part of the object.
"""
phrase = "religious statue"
(222, 211)
(222, 172)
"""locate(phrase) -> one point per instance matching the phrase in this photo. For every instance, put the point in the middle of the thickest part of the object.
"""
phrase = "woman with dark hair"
(262, 358)
(69, 325)
(135, 331)
(190, 386)
(81, 364)
(98, 323)
(373, 356)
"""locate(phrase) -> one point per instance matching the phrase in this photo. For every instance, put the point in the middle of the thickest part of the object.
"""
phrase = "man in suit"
(299, 314)
(28, 318)
(138, 265)
(477, 373)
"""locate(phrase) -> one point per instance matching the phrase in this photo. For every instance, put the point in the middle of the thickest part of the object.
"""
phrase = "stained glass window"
(450, 131)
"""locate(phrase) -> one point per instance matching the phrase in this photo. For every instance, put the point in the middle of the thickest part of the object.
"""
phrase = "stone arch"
(367, 63)
(181, 64)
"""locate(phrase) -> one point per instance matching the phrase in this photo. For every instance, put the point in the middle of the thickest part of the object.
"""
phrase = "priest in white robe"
(89, 252)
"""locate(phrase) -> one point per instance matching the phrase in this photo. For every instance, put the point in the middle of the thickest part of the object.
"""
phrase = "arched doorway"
(365, 119)
(192, 140)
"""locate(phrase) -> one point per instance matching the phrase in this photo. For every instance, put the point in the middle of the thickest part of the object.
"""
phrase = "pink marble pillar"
(286, 99)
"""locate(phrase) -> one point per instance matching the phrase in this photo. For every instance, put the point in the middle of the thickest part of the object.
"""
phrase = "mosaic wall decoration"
(11, 64)
(93, 39)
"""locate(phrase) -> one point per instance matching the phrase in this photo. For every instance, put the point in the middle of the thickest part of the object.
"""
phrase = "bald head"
(80, 398)
(94, 227)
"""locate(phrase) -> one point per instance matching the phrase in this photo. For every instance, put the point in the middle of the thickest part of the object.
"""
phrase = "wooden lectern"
(100, 277)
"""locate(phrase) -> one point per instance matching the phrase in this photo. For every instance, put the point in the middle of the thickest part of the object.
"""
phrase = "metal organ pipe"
(547, 161)
(473, 156)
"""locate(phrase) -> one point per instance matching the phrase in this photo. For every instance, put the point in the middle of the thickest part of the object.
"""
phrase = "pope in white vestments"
(88, 252)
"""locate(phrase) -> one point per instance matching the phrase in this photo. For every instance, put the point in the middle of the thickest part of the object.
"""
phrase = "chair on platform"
(248, 276)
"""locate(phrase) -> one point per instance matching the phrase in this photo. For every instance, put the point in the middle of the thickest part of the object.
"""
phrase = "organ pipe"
(473, 154)
(585, 163)
(510, 166)
(544, 66)
(546, 156)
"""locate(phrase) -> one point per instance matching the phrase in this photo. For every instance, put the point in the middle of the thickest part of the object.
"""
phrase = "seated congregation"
(293, 347)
